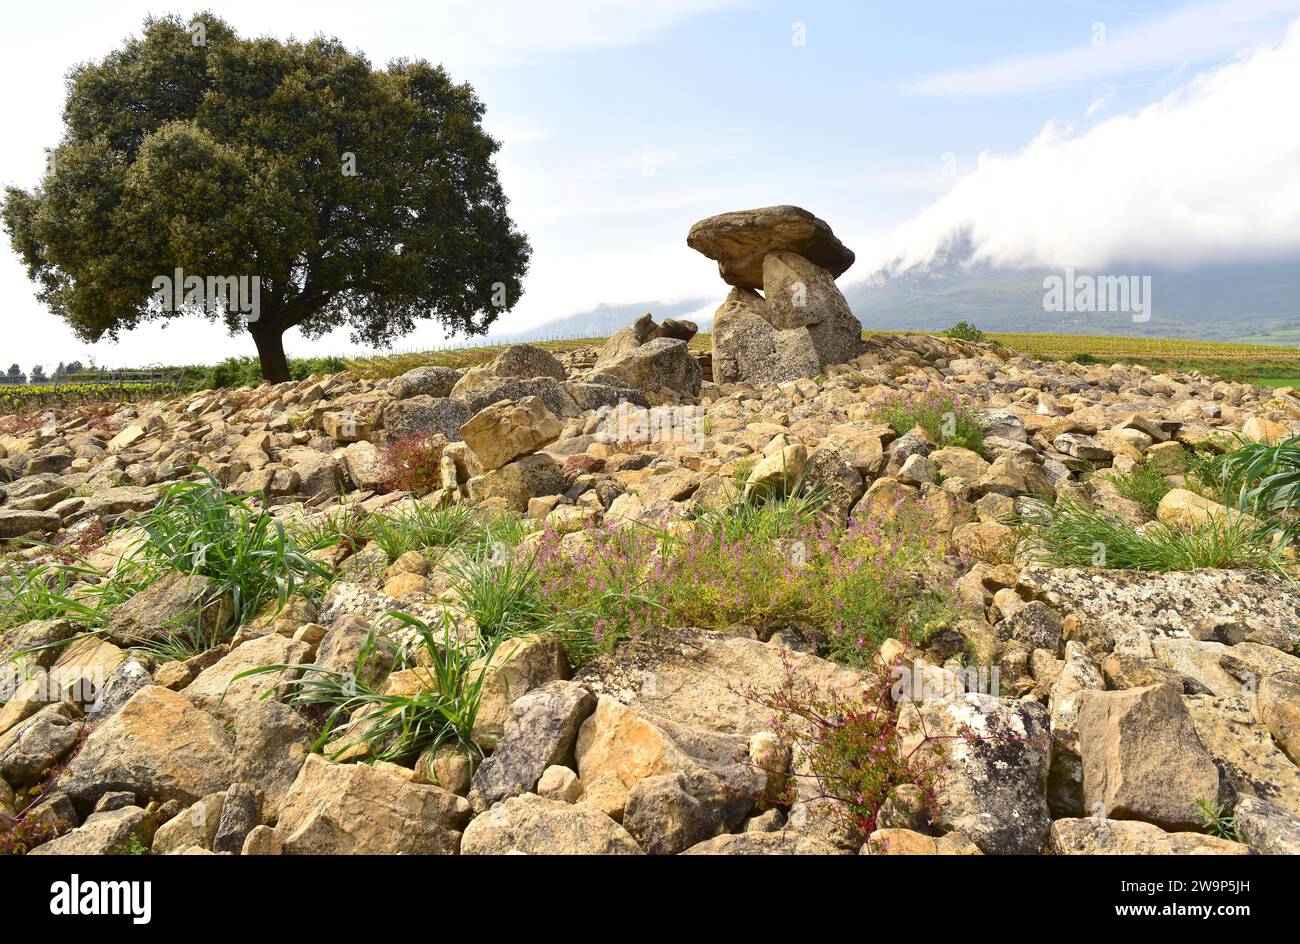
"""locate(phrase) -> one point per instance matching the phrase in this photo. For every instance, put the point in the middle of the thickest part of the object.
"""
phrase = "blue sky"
(623, 123)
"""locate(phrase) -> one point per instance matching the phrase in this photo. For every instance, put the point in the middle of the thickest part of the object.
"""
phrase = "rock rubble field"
(806, 593)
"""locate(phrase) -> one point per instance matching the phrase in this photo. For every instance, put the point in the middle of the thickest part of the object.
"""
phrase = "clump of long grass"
(420, 526)
(1074, 535)
(248, 554)
(392, 726)
(1144, 484)
(500, 591)
(764, 519)
(71, 590)
(1265, 481)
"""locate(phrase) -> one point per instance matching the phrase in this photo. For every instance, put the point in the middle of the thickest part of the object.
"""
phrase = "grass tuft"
(1073, 535)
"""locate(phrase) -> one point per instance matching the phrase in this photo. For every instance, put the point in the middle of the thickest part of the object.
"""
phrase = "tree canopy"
(352, 195)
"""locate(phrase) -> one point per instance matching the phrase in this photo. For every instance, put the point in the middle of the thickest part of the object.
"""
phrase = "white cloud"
(1098, 103)
(1211, 173)
(1199, 33)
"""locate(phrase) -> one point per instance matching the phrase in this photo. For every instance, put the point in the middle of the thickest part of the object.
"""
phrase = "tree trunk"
(270, 351)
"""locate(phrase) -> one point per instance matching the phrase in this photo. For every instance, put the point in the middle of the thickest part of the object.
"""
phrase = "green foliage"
(247, 371)
(1215, 819)
(344, 525)
(132, 846)
(357, 196)
(420, 526)
(60, 590)
(778, 517)
(1073, 535)
(393, 727)
(1145, 484)
(501, 593)
(249, 554)
(943, 417)
(962, 331)
(1265, 481)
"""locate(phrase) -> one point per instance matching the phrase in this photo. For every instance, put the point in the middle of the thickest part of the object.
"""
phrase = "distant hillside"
(1259, 303)
(605, 319)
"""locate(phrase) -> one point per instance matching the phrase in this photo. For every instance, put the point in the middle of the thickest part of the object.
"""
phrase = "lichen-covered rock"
(1277, 705)
(1142, 758)
(1243, 750)
(517, 482)
(1165, 603)
(659, 364)
(525, 360)
(782, 842)
(1266, 828)
(997, 753)
(1099, 836)
(429, 381)
(422, 415)
(540, 734)
(669, 813)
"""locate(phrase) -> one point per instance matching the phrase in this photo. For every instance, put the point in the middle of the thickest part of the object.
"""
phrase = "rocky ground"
(1061, 709)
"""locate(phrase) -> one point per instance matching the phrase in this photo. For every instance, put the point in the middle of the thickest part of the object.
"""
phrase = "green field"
(1268, 365)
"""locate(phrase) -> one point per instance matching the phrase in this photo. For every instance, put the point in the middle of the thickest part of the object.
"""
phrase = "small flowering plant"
(850, 585)
(415, 464)
(943, 416)
(599, 587)
(850, 749)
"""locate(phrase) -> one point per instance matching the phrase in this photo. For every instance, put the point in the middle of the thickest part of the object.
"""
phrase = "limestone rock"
(1277, 706)
(518, 666)
(158, 745)
(740, 240)
(1142, 758)
(429, 381)
(108, 833)
(783, 842)
(422, 415)
(1096, 836)
(996, 788)
(539, 735)
(505, 431)
(532, 825)
(1266, 828)
(356, 809)
(515, 483)
(174, 604)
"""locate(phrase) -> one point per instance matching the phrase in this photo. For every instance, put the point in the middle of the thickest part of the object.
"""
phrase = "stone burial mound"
(800, 323)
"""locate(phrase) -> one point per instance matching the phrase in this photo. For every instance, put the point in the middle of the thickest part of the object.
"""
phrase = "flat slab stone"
(1169, 604)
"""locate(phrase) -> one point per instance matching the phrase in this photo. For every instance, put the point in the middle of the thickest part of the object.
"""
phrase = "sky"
(1062, 133)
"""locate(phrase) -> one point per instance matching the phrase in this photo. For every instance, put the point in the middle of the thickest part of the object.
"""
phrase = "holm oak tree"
(342, 194)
